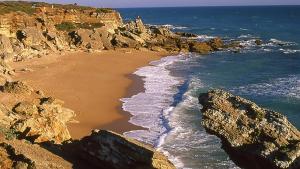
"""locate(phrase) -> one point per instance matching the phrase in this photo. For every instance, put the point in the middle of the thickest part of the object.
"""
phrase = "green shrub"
(89, 25)
(65, 26)
(104, 10)
(7, 7)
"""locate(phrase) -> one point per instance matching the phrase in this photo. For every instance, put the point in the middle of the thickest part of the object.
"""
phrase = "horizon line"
(274, 5)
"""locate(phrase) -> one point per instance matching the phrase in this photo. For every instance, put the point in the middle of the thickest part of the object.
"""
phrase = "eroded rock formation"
(106, 149)
(255, 137)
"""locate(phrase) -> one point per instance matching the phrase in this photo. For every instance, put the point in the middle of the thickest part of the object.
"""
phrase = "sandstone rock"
(216, 43)
(10, 159)
(41, 122)
(41, 129)
(200, 47)
(106, 38)
(136, 26)
(5, 44)
(25, 108)
(5, 68)
(124, 42)
(186, 34)
(51, 100)
(254, 137)
(162, 31)
(110, 150)
(133, 37)
(258, 42)
(17, 87)
(31, 37)
(87, 39)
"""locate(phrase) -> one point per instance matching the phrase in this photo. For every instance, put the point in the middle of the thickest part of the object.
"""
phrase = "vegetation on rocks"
(11, 6)
(104, 10)
(30, 7)
(65, 26)
(68, 26)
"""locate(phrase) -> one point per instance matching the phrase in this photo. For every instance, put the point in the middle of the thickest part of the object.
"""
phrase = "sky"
(173, 3)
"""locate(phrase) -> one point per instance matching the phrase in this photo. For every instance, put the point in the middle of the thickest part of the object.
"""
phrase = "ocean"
(268, 75)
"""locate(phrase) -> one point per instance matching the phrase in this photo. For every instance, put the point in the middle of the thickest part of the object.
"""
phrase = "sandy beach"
(91, 84)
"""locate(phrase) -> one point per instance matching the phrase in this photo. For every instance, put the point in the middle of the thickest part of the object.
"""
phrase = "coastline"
(136, 86)
(60, 76)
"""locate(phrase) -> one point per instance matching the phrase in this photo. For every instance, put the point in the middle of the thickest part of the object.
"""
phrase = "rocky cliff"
(254, 137)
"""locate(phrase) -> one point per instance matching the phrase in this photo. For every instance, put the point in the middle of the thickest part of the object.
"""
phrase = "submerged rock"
(254, 137)
(110, 150)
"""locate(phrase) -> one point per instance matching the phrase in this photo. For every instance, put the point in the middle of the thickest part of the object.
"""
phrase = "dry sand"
(91, 84)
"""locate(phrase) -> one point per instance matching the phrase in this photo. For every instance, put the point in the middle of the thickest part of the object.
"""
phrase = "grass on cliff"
(69, 26)
(104, 10)
(65, 26)
(29, 7)
(7, 7)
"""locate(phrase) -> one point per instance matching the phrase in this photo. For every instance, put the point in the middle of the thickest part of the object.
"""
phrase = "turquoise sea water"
(268, 75)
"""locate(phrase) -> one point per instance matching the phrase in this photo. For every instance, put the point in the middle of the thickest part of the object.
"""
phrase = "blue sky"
(167, 3)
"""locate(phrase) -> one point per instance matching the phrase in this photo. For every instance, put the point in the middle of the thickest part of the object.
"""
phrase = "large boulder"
(254, 137)
(200, 47)
(106, 149)
(106, 38)
(136, 26)
(32, 37)
(26, 108)
(162, 31)
(133, 37)
(44, 122)
(87, 39)
(124, 42)
(216, 43)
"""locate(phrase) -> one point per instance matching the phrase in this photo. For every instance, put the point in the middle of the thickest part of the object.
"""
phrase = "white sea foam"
(172, 27)
(247, 36)
(205, 37)
(283, 87)
(289, 51)
(151, 109)
(282, 43)
(188, 139)
(244, 29)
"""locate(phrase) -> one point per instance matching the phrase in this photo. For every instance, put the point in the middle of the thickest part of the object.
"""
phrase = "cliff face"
(254, 137)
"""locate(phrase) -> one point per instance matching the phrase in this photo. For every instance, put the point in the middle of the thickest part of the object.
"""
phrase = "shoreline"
(136, 87)
(95, 80)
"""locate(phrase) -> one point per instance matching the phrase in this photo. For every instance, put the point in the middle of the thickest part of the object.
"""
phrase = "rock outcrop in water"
(254, 137)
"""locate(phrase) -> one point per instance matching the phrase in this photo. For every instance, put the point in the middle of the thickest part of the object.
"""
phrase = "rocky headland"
(253, 136)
